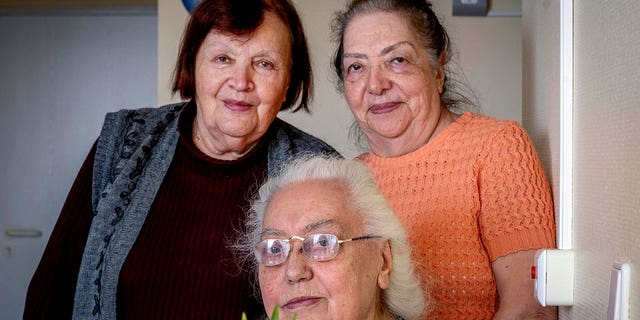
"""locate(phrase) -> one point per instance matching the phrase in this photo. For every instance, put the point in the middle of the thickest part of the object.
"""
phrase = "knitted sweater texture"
(474, 193)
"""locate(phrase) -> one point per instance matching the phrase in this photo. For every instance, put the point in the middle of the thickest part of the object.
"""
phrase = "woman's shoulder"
(494, 137)
(476, 127)
(125, 130)
(485, 123)
(148, 119)
(145, 114)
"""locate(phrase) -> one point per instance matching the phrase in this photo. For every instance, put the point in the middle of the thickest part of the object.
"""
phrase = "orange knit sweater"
(474, 193)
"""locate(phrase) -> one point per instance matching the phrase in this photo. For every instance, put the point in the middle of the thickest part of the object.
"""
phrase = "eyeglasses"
(318, 247)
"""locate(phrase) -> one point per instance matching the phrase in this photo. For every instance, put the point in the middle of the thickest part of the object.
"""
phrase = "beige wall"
(606, 150)
(172, 17)
(541, 83)
(606, 202)
(490, 54)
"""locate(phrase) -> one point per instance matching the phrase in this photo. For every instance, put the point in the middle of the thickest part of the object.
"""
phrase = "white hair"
(404, 296)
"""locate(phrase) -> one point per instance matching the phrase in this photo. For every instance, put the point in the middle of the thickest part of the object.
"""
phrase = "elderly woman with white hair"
(326, 245)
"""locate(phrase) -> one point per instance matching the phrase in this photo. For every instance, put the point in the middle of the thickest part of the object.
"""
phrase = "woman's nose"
(297, 265)
(241, 78)
(378, 80)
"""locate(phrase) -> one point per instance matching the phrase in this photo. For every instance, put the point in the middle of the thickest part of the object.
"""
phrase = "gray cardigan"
(133, 154)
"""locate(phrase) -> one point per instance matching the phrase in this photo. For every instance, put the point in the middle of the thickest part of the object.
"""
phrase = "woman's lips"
(237, 105)
(301, 302)
(381, 108)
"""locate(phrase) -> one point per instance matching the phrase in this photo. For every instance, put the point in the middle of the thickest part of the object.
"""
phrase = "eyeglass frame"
(258, 253)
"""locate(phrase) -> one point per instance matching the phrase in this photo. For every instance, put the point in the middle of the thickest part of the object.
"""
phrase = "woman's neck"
(220, 147)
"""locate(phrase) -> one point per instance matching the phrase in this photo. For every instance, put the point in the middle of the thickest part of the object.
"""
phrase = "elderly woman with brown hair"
(142, 233)
(470, 189)
(326, 245)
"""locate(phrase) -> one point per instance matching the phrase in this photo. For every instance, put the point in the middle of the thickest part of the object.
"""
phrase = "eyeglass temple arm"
(358, 238)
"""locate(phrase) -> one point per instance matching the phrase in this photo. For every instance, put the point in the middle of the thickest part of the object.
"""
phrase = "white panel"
(565, 214)
(618, 308)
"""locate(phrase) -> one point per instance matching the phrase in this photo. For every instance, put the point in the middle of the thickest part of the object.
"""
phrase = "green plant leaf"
(274, 315)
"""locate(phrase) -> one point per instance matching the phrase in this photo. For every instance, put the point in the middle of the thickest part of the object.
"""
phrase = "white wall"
(60, 74)
(606, 174)
(490, 54)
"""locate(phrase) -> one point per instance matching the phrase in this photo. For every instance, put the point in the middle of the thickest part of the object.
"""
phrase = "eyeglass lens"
(318, 247)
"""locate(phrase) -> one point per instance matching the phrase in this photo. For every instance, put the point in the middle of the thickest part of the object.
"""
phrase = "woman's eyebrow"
(354, 55)
(268, 53)
(321, 223)
(396, 46)
(310, 227)
(271, 232)
(383, 52)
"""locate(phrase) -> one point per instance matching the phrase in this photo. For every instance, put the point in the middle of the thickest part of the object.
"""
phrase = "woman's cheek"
(268, 286)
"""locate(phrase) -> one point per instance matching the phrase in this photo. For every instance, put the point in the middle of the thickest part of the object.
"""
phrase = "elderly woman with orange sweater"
(469, 189)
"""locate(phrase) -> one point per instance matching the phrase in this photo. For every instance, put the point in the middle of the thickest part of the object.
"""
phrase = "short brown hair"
(240, 17)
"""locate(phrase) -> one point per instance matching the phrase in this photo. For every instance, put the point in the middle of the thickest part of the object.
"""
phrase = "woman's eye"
(323, 242)
(275, 250)
(399, 64)
(354, 68)
(399, 60)
(263, 64)
(354, 71)
(222, 59)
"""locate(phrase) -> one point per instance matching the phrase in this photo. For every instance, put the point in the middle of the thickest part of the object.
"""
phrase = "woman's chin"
(387, 127)
(240, 133)
(385, 131)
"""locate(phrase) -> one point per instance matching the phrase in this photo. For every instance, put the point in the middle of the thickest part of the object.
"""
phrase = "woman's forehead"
(377, 25)
(311, 205)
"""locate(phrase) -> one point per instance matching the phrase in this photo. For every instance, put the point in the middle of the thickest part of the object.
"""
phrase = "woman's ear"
(384, 276)
(440, 76)
(440, 72)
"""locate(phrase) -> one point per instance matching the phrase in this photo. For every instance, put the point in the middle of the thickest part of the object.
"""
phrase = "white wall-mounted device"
(553, 272)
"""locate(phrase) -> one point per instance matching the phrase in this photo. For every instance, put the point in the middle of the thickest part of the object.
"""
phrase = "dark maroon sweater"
(179, 266)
